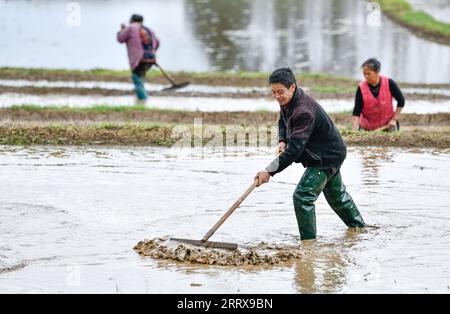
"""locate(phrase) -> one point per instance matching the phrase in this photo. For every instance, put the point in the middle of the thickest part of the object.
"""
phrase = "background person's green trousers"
(312, 183)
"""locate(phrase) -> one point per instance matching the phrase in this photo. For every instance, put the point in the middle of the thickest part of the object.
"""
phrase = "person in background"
(141, 45)
(373, 100)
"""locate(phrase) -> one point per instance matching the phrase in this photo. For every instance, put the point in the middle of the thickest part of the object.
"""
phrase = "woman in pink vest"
(373, 100)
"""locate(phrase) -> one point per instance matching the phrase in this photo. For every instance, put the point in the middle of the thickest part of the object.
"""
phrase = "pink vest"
(377, 112)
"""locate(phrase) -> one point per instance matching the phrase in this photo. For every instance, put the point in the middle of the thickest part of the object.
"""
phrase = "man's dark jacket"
(310, 135)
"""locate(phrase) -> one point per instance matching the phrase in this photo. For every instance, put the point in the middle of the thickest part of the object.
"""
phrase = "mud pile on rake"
(261, 254)
(218, 253)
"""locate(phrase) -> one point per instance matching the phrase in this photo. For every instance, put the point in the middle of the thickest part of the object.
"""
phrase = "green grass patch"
(57, 72)
(425, 21)
(154, 72)
(331, 89)
(321, 82)
(111, 133)
(419, 21)
(225, 75)
(325, 77)
(98, 108)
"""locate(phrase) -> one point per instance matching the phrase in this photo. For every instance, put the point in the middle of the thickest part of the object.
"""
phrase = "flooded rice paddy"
(206, 89)
(71, 216)
(192, 88)
(334, 37)
(206, 104)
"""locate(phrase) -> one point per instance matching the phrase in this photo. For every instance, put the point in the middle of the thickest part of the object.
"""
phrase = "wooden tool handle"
(230, 211)
(165, 74)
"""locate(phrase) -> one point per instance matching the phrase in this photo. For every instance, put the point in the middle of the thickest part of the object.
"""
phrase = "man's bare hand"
(281, 148)
(263, 177)
(123, 26)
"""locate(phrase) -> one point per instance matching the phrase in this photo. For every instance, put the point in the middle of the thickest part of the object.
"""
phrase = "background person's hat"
(136, 18)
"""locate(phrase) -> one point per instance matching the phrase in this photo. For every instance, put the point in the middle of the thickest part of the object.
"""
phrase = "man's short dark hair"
(373, 64)
(283, 76)
(136, 18)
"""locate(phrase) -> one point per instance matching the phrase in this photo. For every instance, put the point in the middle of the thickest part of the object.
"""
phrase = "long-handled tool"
(174, 85)
(221, 245)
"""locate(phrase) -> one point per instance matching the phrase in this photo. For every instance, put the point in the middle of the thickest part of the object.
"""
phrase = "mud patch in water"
(11, 268)
(261, 254)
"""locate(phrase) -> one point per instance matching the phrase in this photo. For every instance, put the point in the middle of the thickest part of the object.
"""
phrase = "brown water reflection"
(325, 267)
(372, 161)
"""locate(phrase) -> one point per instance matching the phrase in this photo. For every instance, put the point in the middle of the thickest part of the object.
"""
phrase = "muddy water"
(70, 217)
(201, 103)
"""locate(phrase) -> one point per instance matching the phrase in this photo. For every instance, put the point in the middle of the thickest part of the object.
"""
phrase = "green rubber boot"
(342, 203)
(306, 193)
